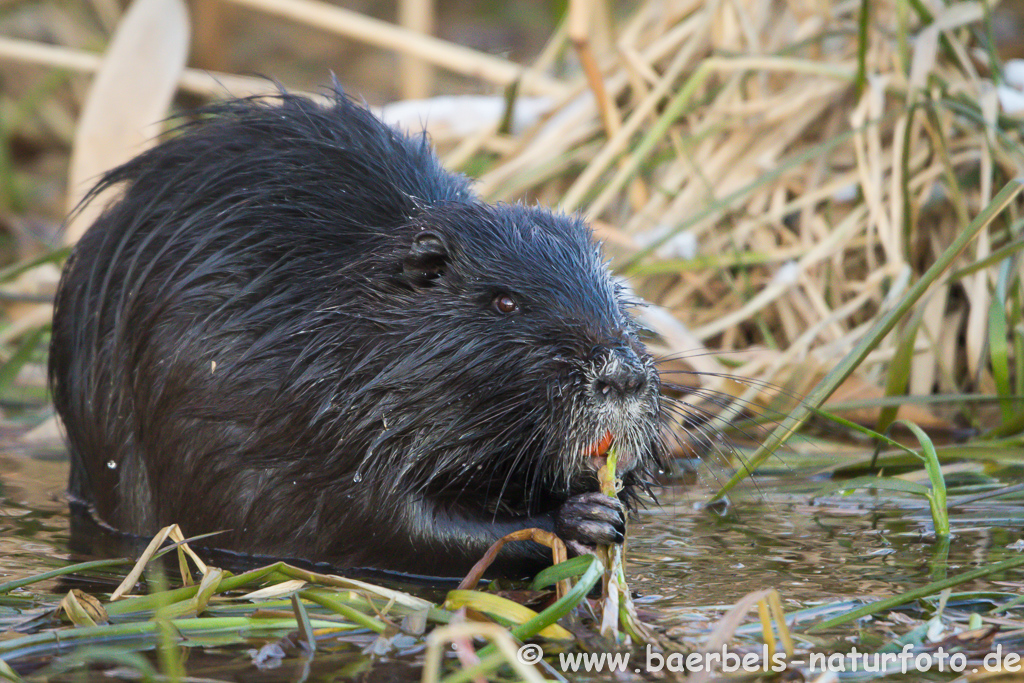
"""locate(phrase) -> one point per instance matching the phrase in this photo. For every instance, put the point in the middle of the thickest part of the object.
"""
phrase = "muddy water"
(859, 547)
(688, 564)
(33, 515)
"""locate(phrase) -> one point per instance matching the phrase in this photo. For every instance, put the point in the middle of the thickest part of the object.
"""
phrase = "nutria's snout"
(622, 391)
(621, 375)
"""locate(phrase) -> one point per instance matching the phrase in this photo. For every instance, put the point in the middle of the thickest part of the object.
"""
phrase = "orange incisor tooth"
(600, 449)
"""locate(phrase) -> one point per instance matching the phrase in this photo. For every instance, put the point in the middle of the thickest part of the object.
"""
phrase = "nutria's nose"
(620, 374)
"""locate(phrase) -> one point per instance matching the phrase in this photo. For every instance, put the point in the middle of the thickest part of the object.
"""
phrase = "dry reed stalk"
(580, 19)
(196, 81)
(617, 142)
(455, 58)
(572, 125)
(473, 144)
(209, 42)
(415, 77)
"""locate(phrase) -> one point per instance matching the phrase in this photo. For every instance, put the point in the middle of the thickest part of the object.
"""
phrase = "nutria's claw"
(589, 520)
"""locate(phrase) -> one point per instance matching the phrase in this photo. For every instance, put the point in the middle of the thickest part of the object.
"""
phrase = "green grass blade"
(863, 21)
(1002, 253)
(569, 569)
(874, 336)
(937, 497)
(340, 607)
(999, 355)
(64, 571)
(922, 592)
(9, 674)
(229, 582)
(899, 368)
(14, 270)
(305, 627)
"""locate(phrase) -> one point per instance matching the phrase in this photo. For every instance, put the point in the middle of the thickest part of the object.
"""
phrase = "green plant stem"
(64, 571)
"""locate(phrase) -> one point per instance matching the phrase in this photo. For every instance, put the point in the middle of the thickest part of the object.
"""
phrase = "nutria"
(296, 328)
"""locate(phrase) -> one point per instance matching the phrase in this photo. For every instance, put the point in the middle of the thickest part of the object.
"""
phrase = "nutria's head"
(515, 360)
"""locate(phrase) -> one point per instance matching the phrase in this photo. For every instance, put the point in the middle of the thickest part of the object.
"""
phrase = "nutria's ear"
(427, 258)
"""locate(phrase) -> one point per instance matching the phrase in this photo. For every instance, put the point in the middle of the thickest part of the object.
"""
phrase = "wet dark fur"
(289, 328)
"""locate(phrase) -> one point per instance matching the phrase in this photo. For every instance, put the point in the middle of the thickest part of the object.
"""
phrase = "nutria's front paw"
(589, 520)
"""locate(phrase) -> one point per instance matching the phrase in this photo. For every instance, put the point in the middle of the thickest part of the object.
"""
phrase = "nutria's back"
(296, 327)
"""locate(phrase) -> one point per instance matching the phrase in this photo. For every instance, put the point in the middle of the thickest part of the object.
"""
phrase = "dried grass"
(772, 175)
(810, 200)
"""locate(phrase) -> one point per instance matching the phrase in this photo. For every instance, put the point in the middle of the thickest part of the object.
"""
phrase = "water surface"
(688, 564)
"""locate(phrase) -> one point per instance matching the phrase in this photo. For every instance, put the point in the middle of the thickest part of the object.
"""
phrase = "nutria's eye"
(503, 303)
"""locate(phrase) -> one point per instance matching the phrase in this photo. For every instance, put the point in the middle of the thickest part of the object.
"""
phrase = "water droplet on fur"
(357, 478)
(111, 465)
